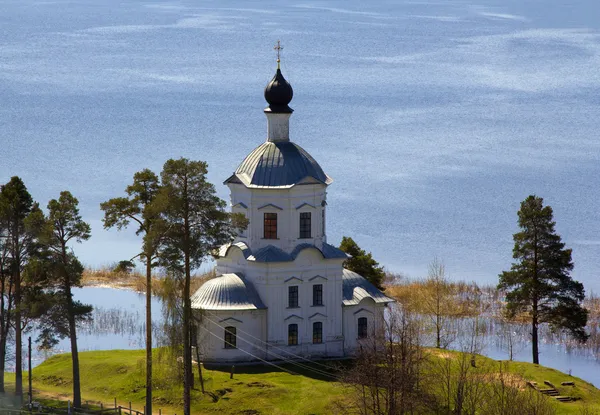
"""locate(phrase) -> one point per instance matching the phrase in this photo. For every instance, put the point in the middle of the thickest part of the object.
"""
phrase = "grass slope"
(120, 373)
(254, 389)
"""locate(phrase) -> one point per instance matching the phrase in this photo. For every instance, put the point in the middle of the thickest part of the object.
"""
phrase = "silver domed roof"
(279, 164)
(227, 292)
(355, 288)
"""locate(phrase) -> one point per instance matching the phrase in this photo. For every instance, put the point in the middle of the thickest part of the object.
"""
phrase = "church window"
(270, 226)
(323, 222)
(318, 294)
(292, 335)
(362, 327)
(293, 296)
(317, 332)
(230, 337)
(305, 225)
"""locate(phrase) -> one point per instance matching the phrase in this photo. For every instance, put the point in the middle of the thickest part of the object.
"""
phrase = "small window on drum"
(270, 226)
(305, 225)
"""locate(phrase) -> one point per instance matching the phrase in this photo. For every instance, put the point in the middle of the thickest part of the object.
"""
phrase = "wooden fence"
(41, 409)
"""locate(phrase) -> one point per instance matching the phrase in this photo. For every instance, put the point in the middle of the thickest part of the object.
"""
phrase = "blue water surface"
(435, 119)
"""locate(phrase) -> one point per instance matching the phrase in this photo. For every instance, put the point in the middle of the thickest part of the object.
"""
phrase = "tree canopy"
(362, 262)
(539, 282)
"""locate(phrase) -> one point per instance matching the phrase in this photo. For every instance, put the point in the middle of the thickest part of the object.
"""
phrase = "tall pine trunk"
(5, 309)
(534, 308)
(72, 331)
(187, 350)
(74, 354)
(18, 332)
(534, 335)
(148, 334)
(187, 355)
(74, 350)
(2, 360)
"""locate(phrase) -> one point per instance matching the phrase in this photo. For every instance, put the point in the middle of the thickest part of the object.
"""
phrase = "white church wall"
(366, 308)
(250, 331)
(272, 282)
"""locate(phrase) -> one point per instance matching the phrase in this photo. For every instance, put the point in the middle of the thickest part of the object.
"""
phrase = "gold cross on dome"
(278, 48)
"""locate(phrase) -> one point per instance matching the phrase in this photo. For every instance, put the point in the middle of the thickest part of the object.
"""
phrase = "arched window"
(362, 327)
(292, 335)
(230, 337)
(317, 332)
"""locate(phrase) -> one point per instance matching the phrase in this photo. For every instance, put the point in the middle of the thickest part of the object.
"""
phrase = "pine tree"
(16, 207)
(539, 282)
(362, 263)
(198, 224)
(64, 226)
(138, 207)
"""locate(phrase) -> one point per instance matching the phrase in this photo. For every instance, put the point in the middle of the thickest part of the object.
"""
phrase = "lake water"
(434, 118)
(126, 331)
(119, 323)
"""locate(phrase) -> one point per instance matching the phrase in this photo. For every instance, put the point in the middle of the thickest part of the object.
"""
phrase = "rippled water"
(435, 118)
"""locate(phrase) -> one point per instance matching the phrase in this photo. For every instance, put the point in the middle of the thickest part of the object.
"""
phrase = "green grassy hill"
(253, 390)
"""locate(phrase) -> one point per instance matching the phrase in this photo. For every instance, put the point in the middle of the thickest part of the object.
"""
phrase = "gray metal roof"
(355, 288)
(279, 164)
(227, 292)
(271, 253)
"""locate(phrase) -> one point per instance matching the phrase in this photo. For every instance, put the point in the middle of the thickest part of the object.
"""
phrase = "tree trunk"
(438, 330)
(148, 334)
(187, 358)
(72, 328)
(187, 349)
(4, 328)
(534, 311)
(534, 337)
(18, 341)
(2, 360)
(74, 350)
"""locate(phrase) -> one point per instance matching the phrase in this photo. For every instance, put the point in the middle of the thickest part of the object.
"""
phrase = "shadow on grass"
(327, 371)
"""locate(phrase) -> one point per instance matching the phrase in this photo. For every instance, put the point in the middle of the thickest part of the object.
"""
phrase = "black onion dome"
(278, 94)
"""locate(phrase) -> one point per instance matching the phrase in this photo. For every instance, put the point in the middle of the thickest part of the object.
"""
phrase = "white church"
(281, 290)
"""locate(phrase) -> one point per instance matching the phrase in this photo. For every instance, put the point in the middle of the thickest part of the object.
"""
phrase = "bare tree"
(387, 374)
(457, 377)
(507, 334)
(437, 302)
